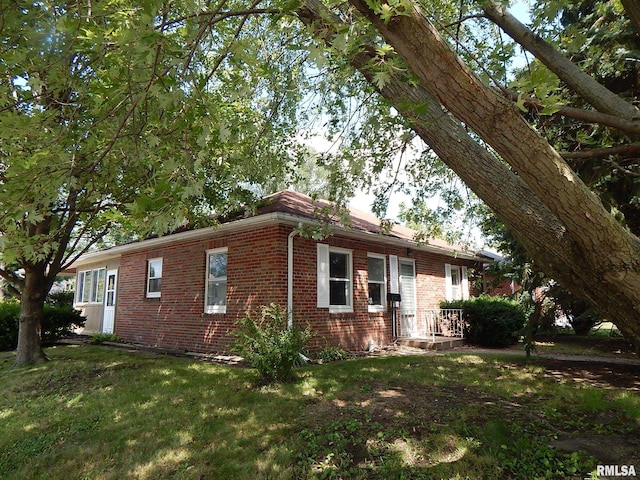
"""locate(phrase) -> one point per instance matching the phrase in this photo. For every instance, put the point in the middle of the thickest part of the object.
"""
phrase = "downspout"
(290, 278)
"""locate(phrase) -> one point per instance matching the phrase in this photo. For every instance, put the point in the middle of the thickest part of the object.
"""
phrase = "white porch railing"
(431, 323)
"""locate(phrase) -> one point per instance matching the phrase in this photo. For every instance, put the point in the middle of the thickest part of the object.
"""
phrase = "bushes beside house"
(9, 313)
(269, 345)
(57, 323)
(60, 298)
(494, 322)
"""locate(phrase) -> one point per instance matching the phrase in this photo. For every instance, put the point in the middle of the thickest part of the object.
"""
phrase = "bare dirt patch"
(596, 373)
(608, 449)
(422, 410)
(606, 345)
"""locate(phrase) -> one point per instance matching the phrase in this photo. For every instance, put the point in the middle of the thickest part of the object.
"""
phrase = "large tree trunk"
(632, 7)
(34, 292)
(561, 224)
(609, 270)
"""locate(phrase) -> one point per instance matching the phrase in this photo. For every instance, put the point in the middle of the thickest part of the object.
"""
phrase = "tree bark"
(632, 7)
(580, 82)
(589, 116)
(500, 188)
(34, 292)
(565, 227)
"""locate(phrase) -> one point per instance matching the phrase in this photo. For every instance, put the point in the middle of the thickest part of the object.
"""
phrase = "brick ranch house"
(184, 291)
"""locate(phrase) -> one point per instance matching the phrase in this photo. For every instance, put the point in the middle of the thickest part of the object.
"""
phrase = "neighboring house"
(185, 291)
(495, 285)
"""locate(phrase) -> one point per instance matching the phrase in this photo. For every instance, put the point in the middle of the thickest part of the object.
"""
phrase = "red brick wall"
(353, 331)
(257, 275)
(499, 287)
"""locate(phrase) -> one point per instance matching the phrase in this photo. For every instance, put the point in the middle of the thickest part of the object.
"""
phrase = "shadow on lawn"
(92, 413)
(104, 413)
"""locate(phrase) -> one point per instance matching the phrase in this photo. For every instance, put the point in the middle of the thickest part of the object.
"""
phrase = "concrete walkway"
(404, 350)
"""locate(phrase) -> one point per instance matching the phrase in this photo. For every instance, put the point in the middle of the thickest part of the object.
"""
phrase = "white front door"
(408, 312)
(109, 314)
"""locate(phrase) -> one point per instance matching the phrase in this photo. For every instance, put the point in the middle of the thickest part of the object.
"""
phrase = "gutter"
(261, 220)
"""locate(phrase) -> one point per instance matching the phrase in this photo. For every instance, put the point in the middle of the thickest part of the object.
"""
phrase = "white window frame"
(382, 307)
(154, 294)
(324, 278)
(348, 308)
(214, 308)
(464, 282)
(95, 294)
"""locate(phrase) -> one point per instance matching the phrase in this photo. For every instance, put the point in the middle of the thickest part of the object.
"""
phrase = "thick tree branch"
(629, 149)
(589, 89)
(589, 116)
(489, 178)
(11, 277)
(611, 282)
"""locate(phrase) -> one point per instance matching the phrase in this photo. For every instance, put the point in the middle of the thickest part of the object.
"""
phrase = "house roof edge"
(269, 219)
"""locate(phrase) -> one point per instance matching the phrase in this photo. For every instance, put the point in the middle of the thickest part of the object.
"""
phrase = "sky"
(363, 200)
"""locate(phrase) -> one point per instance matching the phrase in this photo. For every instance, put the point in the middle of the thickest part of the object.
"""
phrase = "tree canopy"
(146, 115)
(459, 105)
(150, 114)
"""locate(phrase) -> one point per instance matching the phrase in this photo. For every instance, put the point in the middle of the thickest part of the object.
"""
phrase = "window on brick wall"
(154, 277)
(216, 281)
(335, 279)
(377, 283)
(456, 282)
(90, 286)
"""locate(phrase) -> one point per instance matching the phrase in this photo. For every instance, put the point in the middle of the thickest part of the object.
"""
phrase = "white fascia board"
(399, 242)
(387, 240)
(224, 228)
(260, 221)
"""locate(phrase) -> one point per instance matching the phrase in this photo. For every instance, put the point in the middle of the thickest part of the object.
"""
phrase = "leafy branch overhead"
(146, 116)
(140, 116)
(559, 219)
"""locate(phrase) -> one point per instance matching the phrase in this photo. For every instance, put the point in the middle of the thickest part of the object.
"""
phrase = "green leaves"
(388, 10)
(146, 113)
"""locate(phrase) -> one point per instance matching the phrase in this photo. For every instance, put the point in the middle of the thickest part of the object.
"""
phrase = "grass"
(103, 413)
(603, 341)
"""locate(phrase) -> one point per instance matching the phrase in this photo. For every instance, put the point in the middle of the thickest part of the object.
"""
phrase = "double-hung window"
(456, 282)
(216, 281)
(91, 286)
(154, 277)
(377, 282)
(335, 279)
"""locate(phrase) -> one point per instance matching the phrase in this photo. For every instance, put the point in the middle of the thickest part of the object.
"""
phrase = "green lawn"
(102, 413)
(604, 341)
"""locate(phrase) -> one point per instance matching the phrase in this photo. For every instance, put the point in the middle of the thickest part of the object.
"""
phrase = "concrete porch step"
(440, 343)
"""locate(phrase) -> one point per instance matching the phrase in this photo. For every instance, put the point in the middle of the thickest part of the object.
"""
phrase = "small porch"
(431, 329)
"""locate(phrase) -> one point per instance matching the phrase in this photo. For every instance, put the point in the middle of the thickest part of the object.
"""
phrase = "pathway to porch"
(437, 343)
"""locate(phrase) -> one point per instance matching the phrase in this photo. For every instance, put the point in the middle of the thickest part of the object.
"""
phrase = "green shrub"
(57, 322)
(9, 314)
(493, 322)
(269, 346)
(105, 337)
(333, 354)
(62, 298)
